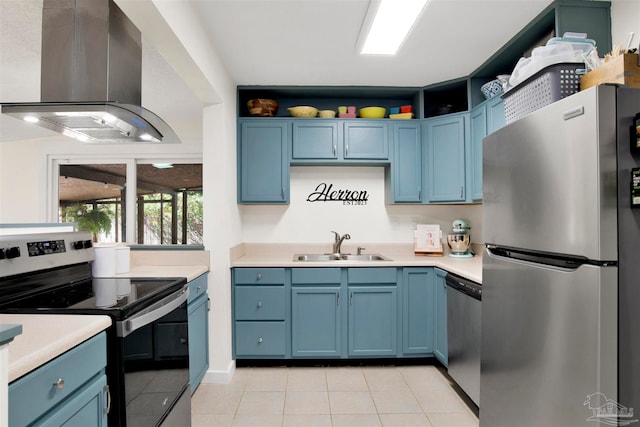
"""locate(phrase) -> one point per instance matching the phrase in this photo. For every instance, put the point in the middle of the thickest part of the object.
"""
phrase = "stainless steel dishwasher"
(463, 333)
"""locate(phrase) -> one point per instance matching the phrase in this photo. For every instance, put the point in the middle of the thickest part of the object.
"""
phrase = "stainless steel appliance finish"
(91, 72)
(561, 245)
(147, 346)
(463, 333)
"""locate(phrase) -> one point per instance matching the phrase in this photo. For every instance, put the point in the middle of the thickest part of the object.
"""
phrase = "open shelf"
(329, 98)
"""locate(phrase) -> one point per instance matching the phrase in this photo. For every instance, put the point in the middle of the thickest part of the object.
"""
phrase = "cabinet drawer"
(36, 393)
(371, 276)
(260, 338)
(256, 276)
(259, 303)
(197, 287)
(315, 276)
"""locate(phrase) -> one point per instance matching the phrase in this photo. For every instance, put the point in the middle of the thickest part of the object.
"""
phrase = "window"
(167, 205)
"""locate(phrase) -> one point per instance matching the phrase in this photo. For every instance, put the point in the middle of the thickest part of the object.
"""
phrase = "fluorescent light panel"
(393, 21)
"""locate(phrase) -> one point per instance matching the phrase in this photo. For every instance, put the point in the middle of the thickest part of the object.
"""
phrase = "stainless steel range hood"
(91, 75)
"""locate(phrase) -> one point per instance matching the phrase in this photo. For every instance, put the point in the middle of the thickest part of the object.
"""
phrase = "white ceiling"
(281, 42)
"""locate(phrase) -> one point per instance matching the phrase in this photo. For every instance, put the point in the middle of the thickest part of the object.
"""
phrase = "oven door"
(155, 363)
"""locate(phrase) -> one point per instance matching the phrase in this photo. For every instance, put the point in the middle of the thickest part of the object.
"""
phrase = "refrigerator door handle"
(557, 262)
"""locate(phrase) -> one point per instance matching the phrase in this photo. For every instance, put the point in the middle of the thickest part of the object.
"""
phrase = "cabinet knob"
(260, 339)
(59, 384)
(259, 304)
(259, 276)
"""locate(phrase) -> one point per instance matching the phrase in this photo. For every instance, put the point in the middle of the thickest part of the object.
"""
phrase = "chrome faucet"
(337, 243)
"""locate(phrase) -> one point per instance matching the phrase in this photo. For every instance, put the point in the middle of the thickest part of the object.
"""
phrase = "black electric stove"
(52, 274)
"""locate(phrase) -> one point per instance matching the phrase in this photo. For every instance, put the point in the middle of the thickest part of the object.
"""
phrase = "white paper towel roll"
(122, 259)
(104, 264)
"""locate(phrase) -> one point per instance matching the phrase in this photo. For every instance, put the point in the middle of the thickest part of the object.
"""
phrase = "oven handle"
(153, 313)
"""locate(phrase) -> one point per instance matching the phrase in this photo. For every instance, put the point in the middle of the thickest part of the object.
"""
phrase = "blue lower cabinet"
(316, 322)
(198, 312)
(440, 349)
(418, 317)
(259, 339)
(81, 399)
(373, 314)
(333, 312)
(86, 408)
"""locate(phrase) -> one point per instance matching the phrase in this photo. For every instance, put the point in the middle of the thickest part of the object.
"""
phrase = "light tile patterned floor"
(400, 396)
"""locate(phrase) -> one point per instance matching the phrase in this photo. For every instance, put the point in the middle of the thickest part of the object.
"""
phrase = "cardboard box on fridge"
(623, 69)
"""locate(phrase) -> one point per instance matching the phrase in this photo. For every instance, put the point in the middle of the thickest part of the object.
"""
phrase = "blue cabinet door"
(264, 167)
(406, 166)
(86, 408)
(495, 114)
(373, 313)
(445, 138)
(440, 346)
(478, 121)
(418, 310)
(366, 140)
(316, 322)
(315, 139)
(198, 339)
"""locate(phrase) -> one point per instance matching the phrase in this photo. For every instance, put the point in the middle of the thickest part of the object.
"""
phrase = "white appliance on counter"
(561, 275)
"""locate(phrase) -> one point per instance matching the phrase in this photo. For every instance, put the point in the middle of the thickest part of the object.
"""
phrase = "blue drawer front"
(197, 287)
(315, 276)
(260, 338)
(371, 276)
(34, 394)
(257, 276)
(259, 303)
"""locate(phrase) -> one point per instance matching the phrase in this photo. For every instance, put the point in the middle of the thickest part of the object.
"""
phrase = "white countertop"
(188, 271)
(168, 263)
(46, 336)
(401, 255)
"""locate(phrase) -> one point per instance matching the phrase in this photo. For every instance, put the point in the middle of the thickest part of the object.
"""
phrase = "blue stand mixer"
(460, 240)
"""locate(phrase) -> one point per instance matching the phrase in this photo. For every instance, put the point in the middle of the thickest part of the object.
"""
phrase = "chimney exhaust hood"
(91, 73)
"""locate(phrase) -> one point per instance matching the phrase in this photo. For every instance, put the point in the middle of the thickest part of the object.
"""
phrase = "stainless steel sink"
(336, 257)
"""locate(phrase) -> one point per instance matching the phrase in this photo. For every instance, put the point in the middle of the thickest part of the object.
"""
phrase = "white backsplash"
(311, 222)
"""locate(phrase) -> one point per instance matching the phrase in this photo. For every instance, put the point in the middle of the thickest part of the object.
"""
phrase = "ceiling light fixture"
(387, 25)
(162, 165)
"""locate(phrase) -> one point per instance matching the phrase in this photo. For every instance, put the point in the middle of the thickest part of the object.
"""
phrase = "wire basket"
(545, 87)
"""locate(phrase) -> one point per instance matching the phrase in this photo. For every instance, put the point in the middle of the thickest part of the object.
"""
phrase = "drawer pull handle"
(259, 276)
(59, 384)
(259, 304)
(199, 288)
(260, 339)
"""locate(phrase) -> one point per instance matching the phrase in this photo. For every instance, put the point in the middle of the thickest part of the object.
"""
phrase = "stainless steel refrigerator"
(561, 271)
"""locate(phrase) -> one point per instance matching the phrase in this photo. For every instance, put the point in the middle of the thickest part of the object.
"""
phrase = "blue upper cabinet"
(264, 165)
(478, 121)
(486, 118)
(406, 166)
(366, 140)
(495, 115)
(445, 159)
(315, 139)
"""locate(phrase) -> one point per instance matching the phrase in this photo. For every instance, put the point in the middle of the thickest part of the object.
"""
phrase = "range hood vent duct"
(91, 74)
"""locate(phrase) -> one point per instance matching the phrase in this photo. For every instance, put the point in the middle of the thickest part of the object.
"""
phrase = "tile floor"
(400, 396)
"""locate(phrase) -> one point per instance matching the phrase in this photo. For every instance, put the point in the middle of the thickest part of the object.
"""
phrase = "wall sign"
(326, 193)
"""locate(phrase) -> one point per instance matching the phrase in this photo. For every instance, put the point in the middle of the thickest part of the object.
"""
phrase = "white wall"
(303, 221)
(625, 18)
